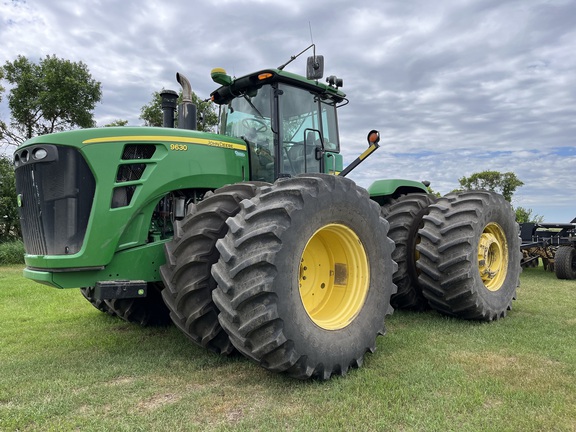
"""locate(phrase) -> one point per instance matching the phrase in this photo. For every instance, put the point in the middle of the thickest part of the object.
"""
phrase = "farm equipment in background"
(252, 239)
(553, 243)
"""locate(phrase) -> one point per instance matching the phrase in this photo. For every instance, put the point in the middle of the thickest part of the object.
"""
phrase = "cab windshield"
(249, 117)
(292, 144)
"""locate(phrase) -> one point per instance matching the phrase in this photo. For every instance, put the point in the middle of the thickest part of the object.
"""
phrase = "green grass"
(66, 366)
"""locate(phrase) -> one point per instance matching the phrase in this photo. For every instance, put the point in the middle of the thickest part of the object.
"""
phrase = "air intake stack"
(169, 102)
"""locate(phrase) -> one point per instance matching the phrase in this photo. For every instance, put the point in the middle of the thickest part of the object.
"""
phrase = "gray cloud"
(455, 87)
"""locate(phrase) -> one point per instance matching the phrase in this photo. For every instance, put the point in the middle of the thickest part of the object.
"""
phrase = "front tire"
(189, 258)
(145, 311)
(305, 276)
(470, 255)
(88, 293)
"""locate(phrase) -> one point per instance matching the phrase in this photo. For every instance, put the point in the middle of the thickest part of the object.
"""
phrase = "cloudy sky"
(454, 86)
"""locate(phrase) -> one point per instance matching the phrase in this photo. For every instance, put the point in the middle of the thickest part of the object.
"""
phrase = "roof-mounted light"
(334, 81)
(265, 75)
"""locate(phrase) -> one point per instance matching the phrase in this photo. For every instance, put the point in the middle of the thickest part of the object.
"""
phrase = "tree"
(50, 96)
(9, 219)
(2, 124)
(505, 184)
(1, 88)
(433, 192)
(118, 122)
(524, 215)
(207, 118)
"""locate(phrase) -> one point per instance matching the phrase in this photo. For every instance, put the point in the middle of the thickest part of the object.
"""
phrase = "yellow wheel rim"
(493, 256)
(334, 276)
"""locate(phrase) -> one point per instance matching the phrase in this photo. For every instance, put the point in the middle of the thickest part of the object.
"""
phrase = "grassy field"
(66, 366)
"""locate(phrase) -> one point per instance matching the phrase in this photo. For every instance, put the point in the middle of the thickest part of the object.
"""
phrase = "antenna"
(313, 45)
(314, 64)
(294, 57)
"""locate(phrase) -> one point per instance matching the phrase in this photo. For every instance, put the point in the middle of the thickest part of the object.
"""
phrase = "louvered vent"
(138, 151)
(130, 172)
(122, 196)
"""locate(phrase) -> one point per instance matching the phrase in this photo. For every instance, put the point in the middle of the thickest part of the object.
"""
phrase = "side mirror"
(315, 67)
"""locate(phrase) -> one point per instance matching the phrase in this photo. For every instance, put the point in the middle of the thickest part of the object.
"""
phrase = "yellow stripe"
(199, 141)
(367, 152)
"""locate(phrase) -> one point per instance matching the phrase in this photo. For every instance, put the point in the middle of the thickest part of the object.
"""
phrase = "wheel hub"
(334, 276)
(493, 256)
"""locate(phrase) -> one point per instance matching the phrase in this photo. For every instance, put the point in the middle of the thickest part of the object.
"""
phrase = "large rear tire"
(146, 311)
(405, 217)
(470, 255)
(305, 276)
(565, 262)
(189, 258)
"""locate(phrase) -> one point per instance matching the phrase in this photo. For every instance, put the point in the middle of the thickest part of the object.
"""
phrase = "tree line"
(55, 94)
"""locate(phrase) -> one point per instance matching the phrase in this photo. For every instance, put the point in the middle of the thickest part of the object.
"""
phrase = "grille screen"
(57, 194)
(138, 151)
(130, 172)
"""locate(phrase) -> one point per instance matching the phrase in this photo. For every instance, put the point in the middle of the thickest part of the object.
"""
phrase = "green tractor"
(253, 240)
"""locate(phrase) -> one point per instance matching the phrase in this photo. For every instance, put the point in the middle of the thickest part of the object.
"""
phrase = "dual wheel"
(296, 275)
(459, 254)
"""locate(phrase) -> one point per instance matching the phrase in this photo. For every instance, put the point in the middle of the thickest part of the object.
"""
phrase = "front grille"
(32, 230)
(56, 193)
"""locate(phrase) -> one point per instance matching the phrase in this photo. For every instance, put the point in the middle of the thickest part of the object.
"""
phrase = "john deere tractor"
(252, 239)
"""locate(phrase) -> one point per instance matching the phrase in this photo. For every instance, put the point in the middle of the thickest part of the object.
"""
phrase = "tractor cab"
(288, 122)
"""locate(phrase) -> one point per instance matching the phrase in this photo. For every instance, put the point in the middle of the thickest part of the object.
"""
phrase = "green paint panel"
(394, 187)
(181, 159)
(139, 263)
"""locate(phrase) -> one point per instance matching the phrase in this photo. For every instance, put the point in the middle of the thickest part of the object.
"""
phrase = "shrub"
(12, 252)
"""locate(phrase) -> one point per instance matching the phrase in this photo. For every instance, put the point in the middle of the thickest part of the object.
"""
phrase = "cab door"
(301, 137)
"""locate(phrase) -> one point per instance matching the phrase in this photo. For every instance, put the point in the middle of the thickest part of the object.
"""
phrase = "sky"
(455, 87)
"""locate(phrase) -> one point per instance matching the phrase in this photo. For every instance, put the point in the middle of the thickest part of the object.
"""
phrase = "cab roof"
(226, 93)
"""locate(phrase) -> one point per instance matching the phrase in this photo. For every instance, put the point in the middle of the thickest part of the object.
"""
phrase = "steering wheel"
(261, 125)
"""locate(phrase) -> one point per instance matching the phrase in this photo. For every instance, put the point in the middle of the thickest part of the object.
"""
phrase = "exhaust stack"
(186, 110)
